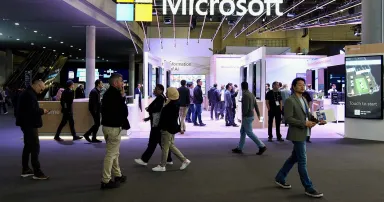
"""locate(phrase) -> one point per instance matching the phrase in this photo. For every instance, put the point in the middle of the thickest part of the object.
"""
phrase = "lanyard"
(306, 108)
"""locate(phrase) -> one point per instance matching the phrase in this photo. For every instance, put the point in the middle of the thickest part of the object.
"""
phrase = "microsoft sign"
(240, 8)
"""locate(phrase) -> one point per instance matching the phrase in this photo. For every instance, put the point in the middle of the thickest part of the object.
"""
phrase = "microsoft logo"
(134, 10)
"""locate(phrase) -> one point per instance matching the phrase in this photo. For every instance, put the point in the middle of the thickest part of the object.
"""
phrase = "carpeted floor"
(344, 170)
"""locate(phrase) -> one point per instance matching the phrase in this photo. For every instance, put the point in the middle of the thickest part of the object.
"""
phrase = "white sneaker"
(140, 162)
(170, 163)
(159, 168)
(185, 164)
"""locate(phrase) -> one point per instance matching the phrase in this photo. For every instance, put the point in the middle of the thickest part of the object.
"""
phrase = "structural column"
(131, 73)
(372, 23)
(8, 63)
(90, 61)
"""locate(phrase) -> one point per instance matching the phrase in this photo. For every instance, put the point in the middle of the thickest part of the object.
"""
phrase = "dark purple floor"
(345, 170)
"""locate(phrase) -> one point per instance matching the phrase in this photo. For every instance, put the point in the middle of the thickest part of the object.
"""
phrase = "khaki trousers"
(183, 113)
(111, 159)
(167, 142)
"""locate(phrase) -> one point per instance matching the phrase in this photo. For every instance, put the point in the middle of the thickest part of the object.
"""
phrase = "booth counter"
(81, 115)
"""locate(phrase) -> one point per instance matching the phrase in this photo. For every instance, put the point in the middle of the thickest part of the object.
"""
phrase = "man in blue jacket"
(214, 98)
(229, 121)
(198, 101)
(28, 117)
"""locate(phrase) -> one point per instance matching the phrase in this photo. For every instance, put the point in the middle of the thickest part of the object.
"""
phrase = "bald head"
(38, 86)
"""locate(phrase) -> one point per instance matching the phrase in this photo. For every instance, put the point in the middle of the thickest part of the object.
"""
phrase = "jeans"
(183, 114)
(3, 106)
(299, 156)
(93, 130)
(154, 140)
(168, 143)
(274, 113)
(214, 109)
(197, 114)
(111, 160)
(191, 111)
(31, 147)
(67, 117)
(221, 107)
(229, 116)
(247, 130)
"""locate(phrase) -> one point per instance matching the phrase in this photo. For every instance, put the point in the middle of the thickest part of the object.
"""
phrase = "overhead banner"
(364, 97)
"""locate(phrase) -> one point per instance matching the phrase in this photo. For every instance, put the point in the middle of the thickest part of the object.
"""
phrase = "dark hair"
(280, 84)
(269, 85)
(215, 85)
(36, 81)
(114, 77)
(227, 86)
(309, 85)
(161, 87)
(294, 82)
(97, 82)
(274, 83)
(189, 84)
(235, 85)
(198, 81)
(69, 83)
(183, 82)
(244, 85)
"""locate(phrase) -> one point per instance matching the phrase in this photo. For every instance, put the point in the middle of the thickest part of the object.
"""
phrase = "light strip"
(130, 34)
(218, 28)
(304, 14)
(174, 29)
(158, 25)
(256, 19)
(289, 9)
(189, 29)
(202, 28)
(145, 35)
(330, 24)
(339, 11)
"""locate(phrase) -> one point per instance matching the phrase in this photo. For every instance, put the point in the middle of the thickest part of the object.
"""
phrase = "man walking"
(191, 109)
(214, 98)
(273, 101)
(228, 107)
(94, 106)
(28, 117)
(138, 93)
(248, 104)
(198, 100)
(184, 104)
(114, 114)
(66, 102)
(300, 122)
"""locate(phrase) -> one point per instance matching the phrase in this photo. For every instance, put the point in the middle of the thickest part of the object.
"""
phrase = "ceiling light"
(44, 47)
(79, 49)
(70, 56)
(1, 34)
(61, 42)
(17, 24)
(98, 57)
(49, 37)
(77, 57)
(18, 39)
(35, 31)
(102, 59)
(71, 46)
(107, 60)
(63, 53)
(32, 44)
(54, 50)
(82, 59)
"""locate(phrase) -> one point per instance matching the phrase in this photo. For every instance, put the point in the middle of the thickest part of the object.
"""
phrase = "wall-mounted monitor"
(364, 75)
(257, 79)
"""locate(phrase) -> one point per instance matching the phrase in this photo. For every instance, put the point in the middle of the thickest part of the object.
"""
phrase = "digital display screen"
(102, 74)
(364, 87)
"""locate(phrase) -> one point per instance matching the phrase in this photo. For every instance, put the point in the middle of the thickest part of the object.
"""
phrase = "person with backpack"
(170, 125)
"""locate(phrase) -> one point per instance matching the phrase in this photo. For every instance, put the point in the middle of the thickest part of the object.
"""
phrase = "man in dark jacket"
(184, 104)
(94, 106)
(114, 118)
(79, 93)
(66, 102)
(191, 109)
(214, 98)
(198, 100)
(28, 117)
(139, 94)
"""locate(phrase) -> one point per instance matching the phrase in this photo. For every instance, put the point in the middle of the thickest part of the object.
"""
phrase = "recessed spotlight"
(17, 24)
(61, 42)
(49, 37)
(82, 59)
(1, 34)
(102, 59)
(77, 57)
(54, 50)
(70, 56)
(35, 31)
(71, 46)
(98, 56)
(79, 49)
(107, 60)
(44, 47)
(63, 53)
(32, 44)
(18, 39)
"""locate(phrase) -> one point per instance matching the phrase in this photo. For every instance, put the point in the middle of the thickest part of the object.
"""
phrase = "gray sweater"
(248, 103)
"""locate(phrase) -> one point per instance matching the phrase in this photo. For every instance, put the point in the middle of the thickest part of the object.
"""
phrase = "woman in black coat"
(170, 125)
(154, 110)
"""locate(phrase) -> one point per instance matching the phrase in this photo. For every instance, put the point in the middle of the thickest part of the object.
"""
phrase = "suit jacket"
(183, 96)
(94, 104)
(228, 99)
(295, 116)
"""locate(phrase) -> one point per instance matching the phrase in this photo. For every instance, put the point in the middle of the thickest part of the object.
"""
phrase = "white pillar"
(372, 21)
(90, 61)
(131, 73)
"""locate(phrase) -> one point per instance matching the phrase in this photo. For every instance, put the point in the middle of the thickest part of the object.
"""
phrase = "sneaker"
(159, 168)
(140, 162)
(121, 179)
(261, 150)
(313, 193)
(110, 185)
(77, 138)
(58, 139)
(283, 185)
(185, 164)
(27, 173)
(235, 125)
(170, 163)
(237, 151)
(5, 113)
(96, 141)
(40, 176)
(203, 124)
(280, 139)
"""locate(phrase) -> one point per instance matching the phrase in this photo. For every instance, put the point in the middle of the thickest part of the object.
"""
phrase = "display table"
(51, 121)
